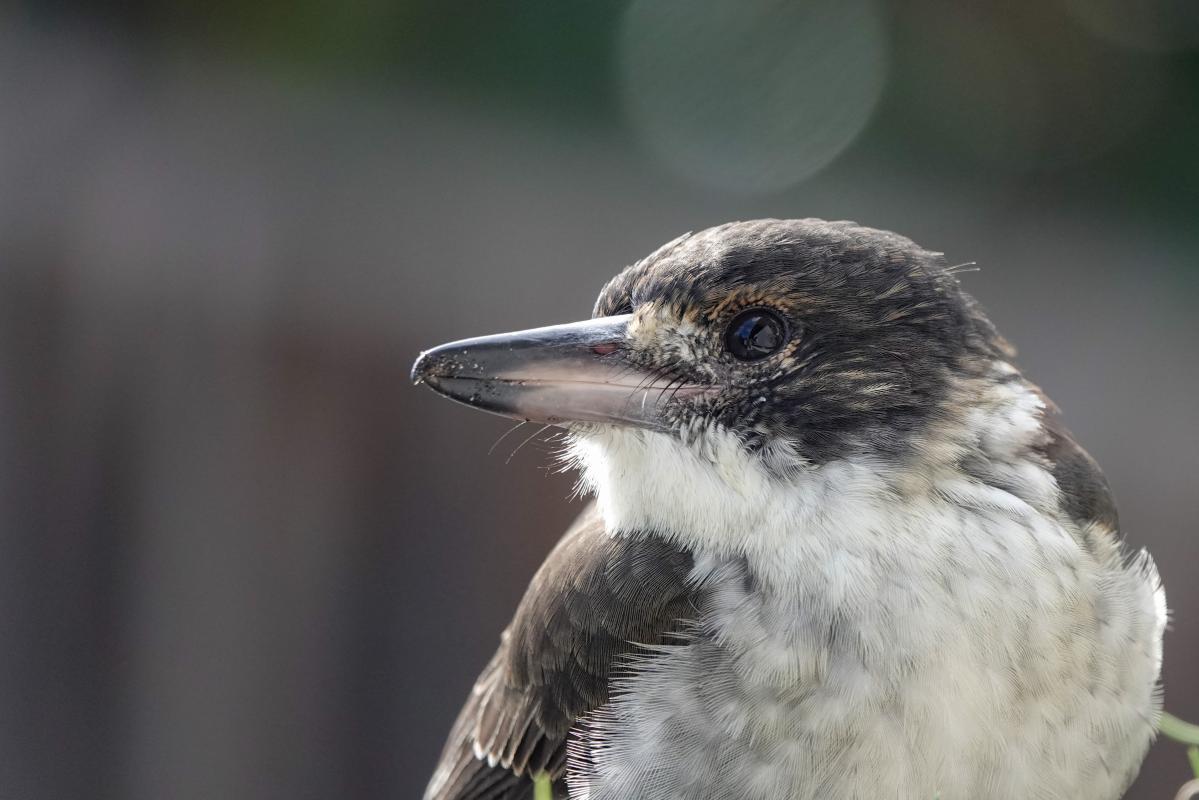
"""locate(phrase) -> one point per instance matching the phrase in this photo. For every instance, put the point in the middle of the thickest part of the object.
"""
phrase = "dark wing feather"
(593, 601)
(1086, 496)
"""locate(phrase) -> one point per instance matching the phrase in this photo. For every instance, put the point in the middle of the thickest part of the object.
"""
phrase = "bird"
(837, 546)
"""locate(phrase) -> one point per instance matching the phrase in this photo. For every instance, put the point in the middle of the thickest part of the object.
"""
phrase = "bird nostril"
(605, 348)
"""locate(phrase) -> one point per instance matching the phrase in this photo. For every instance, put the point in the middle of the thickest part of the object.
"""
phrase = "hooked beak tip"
(420, 369)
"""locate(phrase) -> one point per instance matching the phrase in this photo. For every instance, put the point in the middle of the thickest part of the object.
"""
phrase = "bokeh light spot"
(752, 96)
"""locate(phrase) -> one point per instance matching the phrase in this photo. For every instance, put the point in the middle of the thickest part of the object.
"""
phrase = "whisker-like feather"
(505, 435)
(530, 438)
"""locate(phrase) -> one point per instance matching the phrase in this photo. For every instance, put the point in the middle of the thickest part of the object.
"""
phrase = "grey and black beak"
(577, 372)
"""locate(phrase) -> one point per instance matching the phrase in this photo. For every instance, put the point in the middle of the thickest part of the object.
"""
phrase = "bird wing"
(1086, 496)
(594, 600)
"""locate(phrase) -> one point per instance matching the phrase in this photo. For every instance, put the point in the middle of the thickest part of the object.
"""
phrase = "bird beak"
(559, 374)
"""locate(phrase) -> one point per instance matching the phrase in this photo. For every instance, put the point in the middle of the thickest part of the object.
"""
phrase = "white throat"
(714, 495)
(715, 498)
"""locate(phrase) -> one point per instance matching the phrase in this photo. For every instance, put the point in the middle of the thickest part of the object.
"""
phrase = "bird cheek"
(727, 409)
(675, 342)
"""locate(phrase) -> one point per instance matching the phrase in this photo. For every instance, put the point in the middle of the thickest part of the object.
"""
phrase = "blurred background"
(241, 557)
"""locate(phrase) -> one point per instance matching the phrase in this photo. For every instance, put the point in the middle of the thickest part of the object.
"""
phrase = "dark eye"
(755, 334)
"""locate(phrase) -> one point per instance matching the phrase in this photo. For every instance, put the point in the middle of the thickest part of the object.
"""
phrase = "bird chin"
(642, 479)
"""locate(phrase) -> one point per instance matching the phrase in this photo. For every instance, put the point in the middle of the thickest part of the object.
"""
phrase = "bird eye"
(755, 334)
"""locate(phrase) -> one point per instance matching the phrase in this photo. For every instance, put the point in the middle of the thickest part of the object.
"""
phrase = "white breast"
(857, 640)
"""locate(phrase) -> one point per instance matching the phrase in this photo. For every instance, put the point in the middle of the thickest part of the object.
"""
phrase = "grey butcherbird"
(840, 546)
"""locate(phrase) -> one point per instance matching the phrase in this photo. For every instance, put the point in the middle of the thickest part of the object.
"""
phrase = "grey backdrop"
(241, 557)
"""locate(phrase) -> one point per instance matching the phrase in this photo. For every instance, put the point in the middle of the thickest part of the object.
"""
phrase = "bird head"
(777, 346)
(820, 339)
